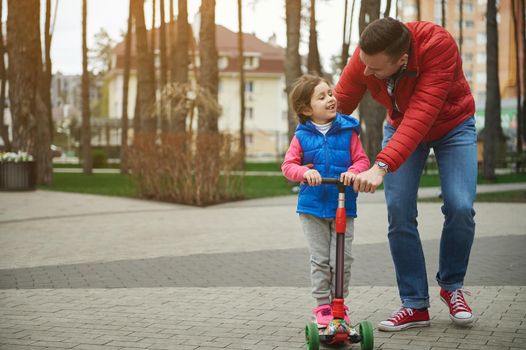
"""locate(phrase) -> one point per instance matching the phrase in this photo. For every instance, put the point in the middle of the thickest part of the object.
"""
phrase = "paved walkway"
(93, 272)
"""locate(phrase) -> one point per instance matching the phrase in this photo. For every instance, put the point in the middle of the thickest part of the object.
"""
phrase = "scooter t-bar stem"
(340, 226)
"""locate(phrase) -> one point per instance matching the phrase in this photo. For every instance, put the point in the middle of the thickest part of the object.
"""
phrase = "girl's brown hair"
(301, 94)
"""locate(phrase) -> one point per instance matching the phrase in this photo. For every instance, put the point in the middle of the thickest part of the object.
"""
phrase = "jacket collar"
(336, 125)
(412, 68)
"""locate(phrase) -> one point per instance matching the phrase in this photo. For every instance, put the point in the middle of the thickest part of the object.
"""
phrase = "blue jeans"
(456, 155)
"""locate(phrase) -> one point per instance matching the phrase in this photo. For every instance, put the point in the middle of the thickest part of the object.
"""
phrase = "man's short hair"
(386, 35)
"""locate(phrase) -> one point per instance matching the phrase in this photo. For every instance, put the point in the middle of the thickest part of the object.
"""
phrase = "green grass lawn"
(105, 184)
(254, 186)
(123, 185)
(77, 165)
(268, 166)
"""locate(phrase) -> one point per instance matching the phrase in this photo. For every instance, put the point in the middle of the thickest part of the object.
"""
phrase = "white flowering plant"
(15, 157)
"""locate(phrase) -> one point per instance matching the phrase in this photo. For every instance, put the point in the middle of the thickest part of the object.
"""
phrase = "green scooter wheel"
(312, 336)
(366, 333)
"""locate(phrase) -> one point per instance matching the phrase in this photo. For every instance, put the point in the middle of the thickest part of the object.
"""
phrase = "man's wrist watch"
(382, 166)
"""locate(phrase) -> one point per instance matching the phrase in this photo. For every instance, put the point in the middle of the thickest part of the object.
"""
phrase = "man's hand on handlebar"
(347, 178)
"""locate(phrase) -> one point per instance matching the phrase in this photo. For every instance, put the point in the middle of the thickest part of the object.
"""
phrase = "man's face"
(381, 65)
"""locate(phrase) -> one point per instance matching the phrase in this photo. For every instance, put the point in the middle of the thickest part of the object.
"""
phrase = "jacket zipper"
(393, 95)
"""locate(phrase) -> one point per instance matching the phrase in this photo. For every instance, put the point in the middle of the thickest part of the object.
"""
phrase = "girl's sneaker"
(459, 311)
(323, 314)
(404, 318)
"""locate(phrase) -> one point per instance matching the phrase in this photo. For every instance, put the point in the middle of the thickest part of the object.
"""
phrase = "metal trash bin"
(18, 176)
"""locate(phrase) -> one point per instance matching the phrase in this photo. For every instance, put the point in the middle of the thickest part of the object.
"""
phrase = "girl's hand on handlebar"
(347, 178)
(313, 177)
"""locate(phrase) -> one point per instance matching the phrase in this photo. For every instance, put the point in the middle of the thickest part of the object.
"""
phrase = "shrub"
(100, 158)
(186, 168)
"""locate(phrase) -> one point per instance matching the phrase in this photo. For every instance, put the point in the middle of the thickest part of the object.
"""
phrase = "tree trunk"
(207, 166)
(492, 125)
(86, 127)
(180, 62)
(292, 57)
(47, 76)
(520, 108)
(145, 71)
(523, 26)
(443, 9)
(346, 42)
(125, 86)
(387, 8)
(4, 132)
(313, 59)
(28, 110)
(372, 114)
(460, 24)
(241, 58)
(209, 74)
(349, 34)
(164, 69)
(153, 38)
(345, 46)
(171, 38)
(418, 11)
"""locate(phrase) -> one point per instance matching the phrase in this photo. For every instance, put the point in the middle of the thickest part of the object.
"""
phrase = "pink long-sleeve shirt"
(294, 170)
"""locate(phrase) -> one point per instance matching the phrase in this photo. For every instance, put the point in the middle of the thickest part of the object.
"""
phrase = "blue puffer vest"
(330, 154)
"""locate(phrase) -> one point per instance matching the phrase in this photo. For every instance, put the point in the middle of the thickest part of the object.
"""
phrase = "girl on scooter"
(325, 144)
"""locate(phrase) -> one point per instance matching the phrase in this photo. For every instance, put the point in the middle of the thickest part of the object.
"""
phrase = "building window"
(467, 57)
(249, 113)
(481, 38)
(249, 86)
(468, 41)
(251, 62)
(465, 24)
(481, 57)
(249, 139)
(468, 8)
(481, 77)
(222, 62)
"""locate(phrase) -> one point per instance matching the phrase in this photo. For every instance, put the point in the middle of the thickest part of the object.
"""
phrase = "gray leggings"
(321, 237)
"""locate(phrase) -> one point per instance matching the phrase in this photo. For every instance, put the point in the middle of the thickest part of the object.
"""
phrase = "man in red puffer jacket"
(415, 71)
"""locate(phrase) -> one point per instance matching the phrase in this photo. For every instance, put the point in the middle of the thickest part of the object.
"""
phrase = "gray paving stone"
(244, 297)
(494, 261)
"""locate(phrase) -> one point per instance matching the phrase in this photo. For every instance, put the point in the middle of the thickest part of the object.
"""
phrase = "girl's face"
(322, 104)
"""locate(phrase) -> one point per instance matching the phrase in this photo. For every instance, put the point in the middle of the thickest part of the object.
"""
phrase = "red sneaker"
(404, 318)
(459, 311)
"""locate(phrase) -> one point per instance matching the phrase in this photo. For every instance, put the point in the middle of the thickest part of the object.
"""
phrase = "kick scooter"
(339, 331)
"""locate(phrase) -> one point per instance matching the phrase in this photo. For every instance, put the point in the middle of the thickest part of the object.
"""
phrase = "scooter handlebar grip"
(330, 181)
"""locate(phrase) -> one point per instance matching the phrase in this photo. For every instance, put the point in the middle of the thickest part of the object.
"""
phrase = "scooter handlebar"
(331, 181)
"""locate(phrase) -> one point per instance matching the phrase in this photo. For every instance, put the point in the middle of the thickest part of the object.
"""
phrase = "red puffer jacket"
(433, 96)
